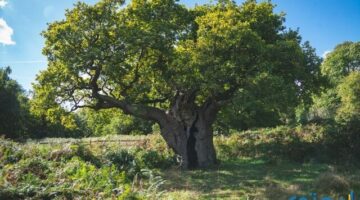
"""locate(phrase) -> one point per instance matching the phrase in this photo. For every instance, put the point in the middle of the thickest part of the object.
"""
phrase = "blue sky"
(324, 23)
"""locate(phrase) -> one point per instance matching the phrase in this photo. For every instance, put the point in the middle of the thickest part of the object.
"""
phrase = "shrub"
(88, 178)
(86, 155)
(9, 152)
(152, 159)
(228, 147)
(343, 143)
(298, 144)
(64, 153)
(331, 183)
(157, 143)
(124, 161)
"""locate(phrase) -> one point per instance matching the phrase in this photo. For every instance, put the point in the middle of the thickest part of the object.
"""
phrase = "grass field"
(251, 166)
(247, 178)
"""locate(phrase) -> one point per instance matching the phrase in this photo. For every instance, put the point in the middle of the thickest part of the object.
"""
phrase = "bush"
(331, 183)
(124, 161)
(297, 144)
(152, 159)
(157, 143)
(343, 143)
(89, 179)
(9, 152)
(86, 155)
(64, 153)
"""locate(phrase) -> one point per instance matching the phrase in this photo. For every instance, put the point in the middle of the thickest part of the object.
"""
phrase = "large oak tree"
(176, 66)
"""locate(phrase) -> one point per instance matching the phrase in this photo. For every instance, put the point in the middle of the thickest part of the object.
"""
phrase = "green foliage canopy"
(143, 54)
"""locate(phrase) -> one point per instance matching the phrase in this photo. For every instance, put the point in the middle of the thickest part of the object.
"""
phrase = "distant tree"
(161, 61)
(341, 100)
(49, 119)
(111, 121)
(349, 93)
(340, 68)
(21, 117)
(13, 108)
(343, 60)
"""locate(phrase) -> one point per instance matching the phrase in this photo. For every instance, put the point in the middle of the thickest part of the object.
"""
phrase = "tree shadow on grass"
(245, 178)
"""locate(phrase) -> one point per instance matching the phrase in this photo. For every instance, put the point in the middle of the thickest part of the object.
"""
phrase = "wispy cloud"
(5, 33)
(23, 61)
(2, 3)
(325, 53)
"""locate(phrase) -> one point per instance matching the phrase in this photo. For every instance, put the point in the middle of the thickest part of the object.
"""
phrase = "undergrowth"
(74, 171)
(256, 164)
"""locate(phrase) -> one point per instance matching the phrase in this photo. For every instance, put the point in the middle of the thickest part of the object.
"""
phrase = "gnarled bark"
(189, 133)
(193, 143)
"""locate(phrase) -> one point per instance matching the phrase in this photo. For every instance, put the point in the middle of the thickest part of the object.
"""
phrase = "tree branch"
(136, 74)
(141, 111)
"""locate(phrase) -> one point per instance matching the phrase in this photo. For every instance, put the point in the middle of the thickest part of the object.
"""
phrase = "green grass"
(251, 178)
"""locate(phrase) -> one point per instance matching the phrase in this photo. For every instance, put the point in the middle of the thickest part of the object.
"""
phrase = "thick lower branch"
(141, 111)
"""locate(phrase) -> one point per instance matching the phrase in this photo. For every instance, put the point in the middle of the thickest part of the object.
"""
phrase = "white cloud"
(5, 33)
(5, 30)
(325, 53)
(2, 3)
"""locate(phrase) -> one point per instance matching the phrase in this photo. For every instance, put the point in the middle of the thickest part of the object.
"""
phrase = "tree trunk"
(186, 127)
(193, 143)
(188, 131)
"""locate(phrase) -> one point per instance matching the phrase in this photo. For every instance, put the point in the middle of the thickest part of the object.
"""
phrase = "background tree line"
(23, 116)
